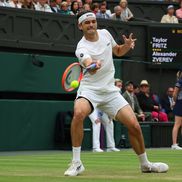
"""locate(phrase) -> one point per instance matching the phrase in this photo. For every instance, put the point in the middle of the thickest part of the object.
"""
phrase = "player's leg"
(177, 125)
(118, 108)
(82, 108)
(128, 118)
(109, 129)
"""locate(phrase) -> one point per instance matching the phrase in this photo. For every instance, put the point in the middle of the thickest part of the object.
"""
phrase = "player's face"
(89, 26)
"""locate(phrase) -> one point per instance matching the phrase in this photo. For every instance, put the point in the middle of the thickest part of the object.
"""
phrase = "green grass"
(100, 167)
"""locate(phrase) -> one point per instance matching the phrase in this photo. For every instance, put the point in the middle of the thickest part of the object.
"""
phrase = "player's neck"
(92, 37)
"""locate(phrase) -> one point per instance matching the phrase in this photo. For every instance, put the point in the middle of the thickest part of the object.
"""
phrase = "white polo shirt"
(103, 80)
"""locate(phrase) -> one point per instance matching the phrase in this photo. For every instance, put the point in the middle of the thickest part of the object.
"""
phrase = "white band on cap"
(86, 16)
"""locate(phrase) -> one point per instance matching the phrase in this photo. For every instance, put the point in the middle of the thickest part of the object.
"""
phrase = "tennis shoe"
(76, 168)
(157, 167)
(176, 147)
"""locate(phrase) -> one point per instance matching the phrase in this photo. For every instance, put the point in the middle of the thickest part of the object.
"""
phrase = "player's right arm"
(86, 60)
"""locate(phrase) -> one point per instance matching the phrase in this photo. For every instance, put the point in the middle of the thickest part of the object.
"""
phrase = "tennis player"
(97, 89)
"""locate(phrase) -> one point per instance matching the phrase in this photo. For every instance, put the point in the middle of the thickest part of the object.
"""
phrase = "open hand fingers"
(130, 36)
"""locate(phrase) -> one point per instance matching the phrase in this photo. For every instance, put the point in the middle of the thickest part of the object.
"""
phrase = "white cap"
(144, 82)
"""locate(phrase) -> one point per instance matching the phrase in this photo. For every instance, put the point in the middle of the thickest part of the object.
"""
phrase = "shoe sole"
(154, 171)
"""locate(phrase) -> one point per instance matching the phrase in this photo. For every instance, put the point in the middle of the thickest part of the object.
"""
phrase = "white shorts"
(110, 103)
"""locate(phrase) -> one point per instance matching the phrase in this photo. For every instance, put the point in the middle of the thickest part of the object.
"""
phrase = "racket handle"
(90, 67)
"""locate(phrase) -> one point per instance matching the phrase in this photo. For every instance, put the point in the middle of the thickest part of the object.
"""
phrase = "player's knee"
(79, 115)
(135, 128)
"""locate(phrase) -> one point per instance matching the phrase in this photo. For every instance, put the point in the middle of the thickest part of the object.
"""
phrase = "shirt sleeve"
(82, 54)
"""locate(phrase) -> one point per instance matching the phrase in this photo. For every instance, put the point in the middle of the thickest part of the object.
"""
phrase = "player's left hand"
(129, 42)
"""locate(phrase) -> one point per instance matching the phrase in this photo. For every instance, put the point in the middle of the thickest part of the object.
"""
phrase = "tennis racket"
(74, 72)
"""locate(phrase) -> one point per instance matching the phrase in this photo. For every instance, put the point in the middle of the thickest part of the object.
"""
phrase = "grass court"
(49, 166)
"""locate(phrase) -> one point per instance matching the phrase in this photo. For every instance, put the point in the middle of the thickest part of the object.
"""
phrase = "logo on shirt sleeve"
(81, 55)
(108, 44)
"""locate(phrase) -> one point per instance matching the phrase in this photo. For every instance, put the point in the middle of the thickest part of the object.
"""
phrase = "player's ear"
(80, 26)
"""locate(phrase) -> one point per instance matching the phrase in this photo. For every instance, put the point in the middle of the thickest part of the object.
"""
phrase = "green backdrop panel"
(118, 68)
(29, 124)
(146, 130)
(17, 73)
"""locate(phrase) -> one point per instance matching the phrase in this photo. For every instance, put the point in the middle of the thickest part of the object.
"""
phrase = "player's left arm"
(129, 43)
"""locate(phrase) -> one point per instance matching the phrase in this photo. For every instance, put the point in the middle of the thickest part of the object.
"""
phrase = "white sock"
(143, 159)
(76, 153)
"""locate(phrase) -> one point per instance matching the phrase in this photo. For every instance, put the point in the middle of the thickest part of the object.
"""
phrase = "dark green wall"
(30, 124)
(18, 73)
(26, 124)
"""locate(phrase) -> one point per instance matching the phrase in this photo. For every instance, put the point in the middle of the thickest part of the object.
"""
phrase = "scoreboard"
(165, 46)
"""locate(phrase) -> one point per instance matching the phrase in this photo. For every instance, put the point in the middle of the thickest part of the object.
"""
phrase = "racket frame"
(65, 75)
